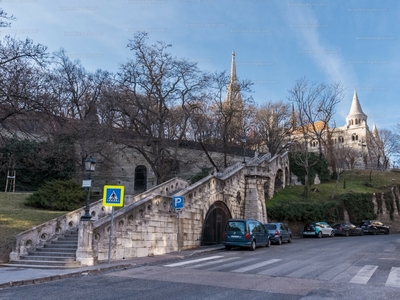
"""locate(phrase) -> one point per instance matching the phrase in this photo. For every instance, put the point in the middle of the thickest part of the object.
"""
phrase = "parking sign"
(177, 202)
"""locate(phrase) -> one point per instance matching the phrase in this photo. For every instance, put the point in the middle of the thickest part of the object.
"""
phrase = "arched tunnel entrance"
(213, 227)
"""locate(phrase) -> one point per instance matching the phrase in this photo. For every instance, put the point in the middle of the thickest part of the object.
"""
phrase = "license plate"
(234, 236)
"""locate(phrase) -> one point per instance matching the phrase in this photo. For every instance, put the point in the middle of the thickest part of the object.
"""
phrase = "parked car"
(374, 227)
(347, 229)
(278, 233)
(245, 233)
(318, 229)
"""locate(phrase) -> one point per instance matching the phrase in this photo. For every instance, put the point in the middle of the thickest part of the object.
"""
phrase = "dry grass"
(15, 217)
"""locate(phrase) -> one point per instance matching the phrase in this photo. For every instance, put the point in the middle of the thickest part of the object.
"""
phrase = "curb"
(99, 270)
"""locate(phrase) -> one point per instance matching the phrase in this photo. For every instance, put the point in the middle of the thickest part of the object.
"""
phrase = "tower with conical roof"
(356, 116)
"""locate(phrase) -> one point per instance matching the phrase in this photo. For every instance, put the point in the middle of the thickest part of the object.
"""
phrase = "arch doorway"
(216, 218)
(140, 178)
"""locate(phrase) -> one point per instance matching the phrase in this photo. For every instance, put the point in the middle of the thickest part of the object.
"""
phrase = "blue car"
(278, 233)
(245, 233)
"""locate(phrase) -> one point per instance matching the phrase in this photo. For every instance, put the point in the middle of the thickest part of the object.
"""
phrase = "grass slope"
(350, 181)
(15, 217)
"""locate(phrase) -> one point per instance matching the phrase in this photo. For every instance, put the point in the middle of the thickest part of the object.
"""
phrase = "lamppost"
(90, 164)
(363, 144)
(244, 148)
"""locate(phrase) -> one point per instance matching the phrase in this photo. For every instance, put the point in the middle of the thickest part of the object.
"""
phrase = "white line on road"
(209, 263)
(192, 261)
(364, 274)
(255, 266)
(394, 278)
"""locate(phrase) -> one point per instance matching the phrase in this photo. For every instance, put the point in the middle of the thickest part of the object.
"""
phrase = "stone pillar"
(84, 254)
(254, 201)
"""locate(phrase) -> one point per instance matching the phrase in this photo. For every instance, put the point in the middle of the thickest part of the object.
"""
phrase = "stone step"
(55, 253)
(63, 246)
(57, 249)
(64, 242)
(47, 258)
(42, 264)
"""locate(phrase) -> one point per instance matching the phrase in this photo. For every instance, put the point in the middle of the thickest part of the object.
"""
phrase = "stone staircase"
(57, 254)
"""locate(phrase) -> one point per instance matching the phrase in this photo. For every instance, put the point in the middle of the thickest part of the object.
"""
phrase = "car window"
(270, 226)
(235, 226)
(251, 226)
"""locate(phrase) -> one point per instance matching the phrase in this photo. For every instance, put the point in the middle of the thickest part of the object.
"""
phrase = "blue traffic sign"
(113, 195)
(177, 202)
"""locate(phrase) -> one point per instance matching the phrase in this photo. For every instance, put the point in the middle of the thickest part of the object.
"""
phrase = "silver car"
(278, 232)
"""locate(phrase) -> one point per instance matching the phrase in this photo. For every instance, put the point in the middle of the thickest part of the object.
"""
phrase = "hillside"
(15, 217)
(357, 181)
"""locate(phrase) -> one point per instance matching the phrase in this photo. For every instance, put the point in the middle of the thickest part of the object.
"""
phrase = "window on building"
(140, 178)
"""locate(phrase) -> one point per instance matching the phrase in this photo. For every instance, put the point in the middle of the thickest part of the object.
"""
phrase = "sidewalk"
(12, 276)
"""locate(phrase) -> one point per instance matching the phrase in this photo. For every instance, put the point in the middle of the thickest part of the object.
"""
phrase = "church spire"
(233, 88)
(233, 78)
(356, 115)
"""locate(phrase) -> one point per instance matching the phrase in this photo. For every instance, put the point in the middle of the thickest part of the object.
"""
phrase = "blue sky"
(355, 42)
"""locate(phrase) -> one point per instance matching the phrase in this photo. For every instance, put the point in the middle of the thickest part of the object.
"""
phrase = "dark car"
(245, 233)
(278, 233)
(347, 229)
(374, 227)
(318, 229)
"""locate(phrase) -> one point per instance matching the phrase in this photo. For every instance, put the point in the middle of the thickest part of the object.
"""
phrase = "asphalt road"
(360, 267)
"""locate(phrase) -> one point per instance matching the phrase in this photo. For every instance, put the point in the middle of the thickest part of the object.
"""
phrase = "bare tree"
(316, 105)
(273, 126)
(157, 95)
(383, 144)
(232, 110)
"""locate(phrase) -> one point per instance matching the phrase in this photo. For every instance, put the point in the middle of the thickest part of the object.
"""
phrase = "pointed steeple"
(356, 115)
(233, 88)
(375, 131)
(233, 78)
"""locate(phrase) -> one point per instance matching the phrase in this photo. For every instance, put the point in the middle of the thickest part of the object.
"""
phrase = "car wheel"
(228, 248)
(319, 234)
(387, 232)
(374, 233)
(332, 233)
(268, 243)
(279, 242)
(347, 233)
(290, 239)
(362, 232)
(253, 245)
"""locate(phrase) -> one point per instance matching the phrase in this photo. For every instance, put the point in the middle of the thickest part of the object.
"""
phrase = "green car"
(245, 233)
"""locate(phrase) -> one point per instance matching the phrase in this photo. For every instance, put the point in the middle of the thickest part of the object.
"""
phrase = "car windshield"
(270, 226)
(235, 226)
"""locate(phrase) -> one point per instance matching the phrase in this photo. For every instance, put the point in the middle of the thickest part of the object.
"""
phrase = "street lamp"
(244, 149)
(90, 164)
(363, 144)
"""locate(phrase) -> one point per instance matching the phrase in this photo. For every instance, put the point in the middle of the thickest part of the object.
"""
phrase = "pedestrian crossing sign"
(113, 195)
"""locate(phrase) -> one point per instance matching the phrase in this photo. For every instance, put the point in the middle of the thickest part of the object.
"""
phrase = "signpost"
(177, 204)
(113, 195)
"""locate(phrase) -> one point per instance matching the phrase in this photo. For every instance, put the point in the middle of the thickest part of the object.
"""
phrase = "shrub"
(359, 206)
(58, 195)
(304, 211)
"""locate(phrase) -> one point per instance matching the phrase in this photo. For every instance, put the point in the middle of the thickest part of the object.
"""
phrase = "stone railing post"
(84, 253)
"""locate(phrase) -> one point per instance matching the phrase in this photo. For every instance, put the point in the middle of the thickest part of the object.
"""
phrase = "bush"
(304, 211)
(359, 206)
(58, 195)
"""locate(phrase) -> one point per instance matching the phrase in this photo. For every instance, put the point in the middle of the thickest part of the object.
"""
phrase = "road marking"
(209, 263)
(255, 266)
(241, 261)
(364, 274)
(393, 278)
(192, 261)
